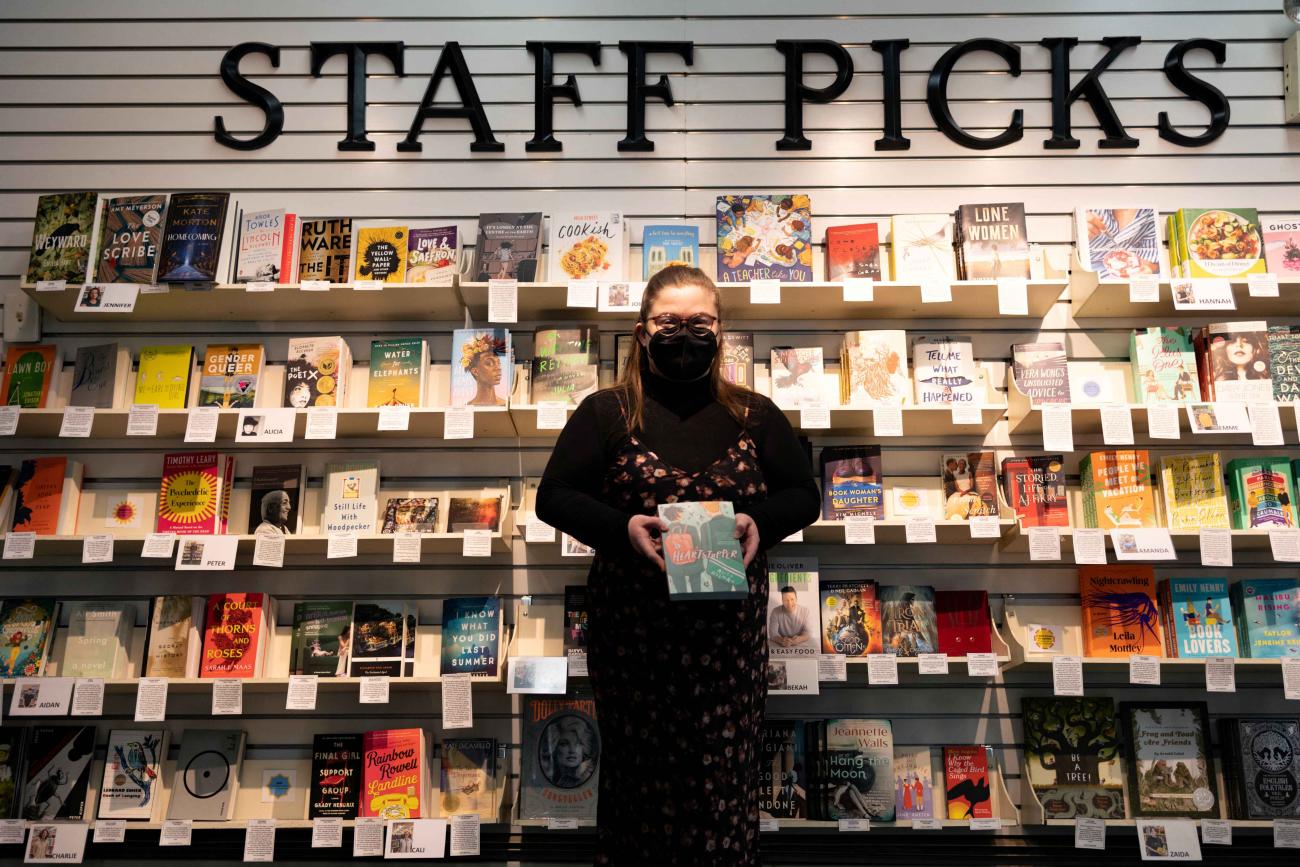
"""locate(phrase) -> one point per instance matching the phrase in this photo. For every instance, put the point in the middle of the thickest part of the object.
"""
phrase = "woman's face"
(685, 301)
(486, 368)
(1240, 351)
(300, 396)
(569, 752)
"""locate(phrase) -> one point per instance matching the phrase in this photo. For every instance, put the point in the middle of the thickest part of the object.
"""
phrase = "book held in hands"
(701, 552)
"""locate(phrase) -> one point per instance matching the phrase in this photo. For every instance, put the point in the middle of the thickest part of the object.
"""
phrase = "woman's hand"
(747, 533)
(644, 532)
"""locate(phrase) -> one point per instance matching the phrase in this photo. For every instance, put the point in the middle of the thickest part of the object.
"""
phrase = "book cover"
(275, 501)
(907, 618)
(46, 494)
(1041, 372)
(1268, 617)
(325, 249)
(968, 786)
(1120, 614)
(963, 621)
(163, 376)
(566, 364)
(335, 776)
(207, 775)
(130, 234)
(1219, 242)
(398, 368)
(796, 374)
(1072, 753)
(56, 775)
(266, 246)
(61, 235)
(559, 767)
(230, 375)
(970, 485)
(993, 241)
(738, 358)
(29, 372)
(1163, 363)
(11, 764)
(853, 252)
(26, 630)
(1035, 490)
(173, 648)
(591, 246)
(189, 496)
(132, 781)
(1118, 243)
(322, 637)
(853, 482)
(662, 246)
(191, 243)
(792, 607)
(1169, 768)
(381, 254)
(433, 255)
(234, 628)
(394, 772)
(850, 618)
(873, 369)
(859, 766)
(410, 515)
(99, 375)
(783, 776)
(508, 248)
(98, 639)
(317, 371)
(1199, 615)
(475, 513)
(1238, 364)
(913, 784)
(946, 372)
(1117, 489)
(471, 636)
(764, 238)
(351, 490)
(379, 638)
(1261, 492)
(1284, 357)
(467, 777)
(921, 249)
(702, 556)
(1282, 245)
(482, 367)
(575, 621)
(1192, 490)
(1263, 756)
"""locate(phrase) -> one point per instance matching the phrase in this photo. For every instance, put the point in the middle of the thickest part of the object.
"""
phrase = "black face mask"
(684, 356)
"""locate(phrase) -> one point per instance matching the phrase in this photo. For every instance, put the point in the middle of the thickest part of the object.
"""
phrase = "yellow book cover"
(163, 377)
(1120, 487)
(380, 254)
(1193, 491)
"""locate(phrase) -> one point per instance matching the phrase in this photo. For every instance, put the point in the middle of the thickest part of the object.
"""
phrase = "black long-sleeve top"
(685, 426)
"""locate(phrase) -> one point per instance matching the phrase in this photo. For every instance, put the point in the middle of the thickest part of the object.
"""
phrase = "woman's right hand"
(644, 532)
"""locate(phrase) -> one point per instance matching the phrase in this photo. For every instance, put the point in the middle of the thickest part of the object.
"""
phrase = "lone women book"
(992, 241)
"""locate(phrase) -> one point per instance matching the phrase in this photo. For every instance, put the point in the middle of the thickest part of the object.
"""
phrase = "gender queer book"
(589, 246)
(1169, 769)
(738, 358)
(566, 364)
(322, 637)
(1266, 611)
(471, 636)
(1220, 242)
(467, 778)
(970, 485)
(317, 372)
(783, 776)
(410, 515)
(237, 634)
(1118, 243)
(853, 482)
(873, 369)
(1261, 492)
(963, 622)
(1163, 363)
(1041, 372)
(267, 243)
(922, 248)
(207, 775)
(130, 233)
(1072, 749)
(351, 489)
(47, 493)
(399, 367)
(191, 243)
(1284, 352)
(913, 784)
(325, 249)
(992, 241)
(908, 622)
(27, 630)
(29, 372)
(99, 376)
(482, 367)
(336, 773)
(191, 493)
(662, 246)
(381, 254)
(275, 501)
(1034, 487)
(163, 376)
(792, 608)
(131, 787)
(1191, 488)
(61, 236)
(433, 255)
(1120, 614)
(1196, 616)
(764, 238)
(945, 372)
(1261, 759)
(98, 639)
(509, 247)
(1117, 492)
(858, 763)
(850, 618)
(1234, 362)
(967, 782)
(230, 375)
(395, 776)
(560, 765)
(853, 252)
(701, 552)
(381, 629)
(796, 374)
(1282, 245)
(175, 644)
(56, 772)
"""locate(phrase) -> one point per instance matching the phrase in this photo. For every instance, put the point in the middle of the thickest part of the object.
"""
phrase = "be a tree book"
(130, 235)
(1072, 756)
(764, 237)
(29, 371)
(325, 249)
(189, 498)
(701, 553)
(1170, 772)
(61, 236)
(1117, 490)
(230, 375)
(1191, 487)
(381, 254)
(163, 376)
(191, 245)
(1120, 614)
(398, 370)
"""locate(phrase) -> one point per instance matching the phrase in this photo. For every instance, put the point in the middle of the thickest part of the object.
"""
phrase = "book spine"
(288, 245)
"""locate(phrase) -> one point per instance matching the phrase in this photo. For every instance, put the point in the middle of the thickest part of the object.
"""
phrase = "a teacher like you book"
(701, 553)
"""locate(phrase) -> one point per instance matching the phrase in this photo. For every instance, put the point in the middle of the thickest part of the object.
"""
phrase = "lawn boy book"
(796, 374)
(1169, 768)
(47, 492)
(381, 254)
(792, 608)
(853, 482)
(163, 376)
(970, 485)
(398, 370)
(1261, 759)
(1284, 353)
(131, 787)
(1072, 749)
(1117, 489)
(963, 619)
(1120, 613)
(783, 777)
(1118, 243)
(194, 487)
(701, 553)
(56, 772)
(873, 369)
(853, 252)
(913, 784)
(1282, 245)
(908, 622)
(395, 779)
(322, 637)
(175, 644)
(968, 782)
(662, 246)
(98, 639)
(467, 778)
(482, 367)
(61, 236)
(324, 250)
(850, 618)
(130, 234)
(566, 364)
(230, 375)
(1268, 617)
(471, 636)
(207, 775)
(509, 246)
(336, 772)
(317, 372)
(858, 764)
(237, 634)
(1034, 487)
(1219, 242)
(1197, 618)
(1163, 363)
(432, 255)
(268, 242)
(275, 502)
(1040, 372)
(738, 358)
(191, 244)
(560, 765)
(99, 376)
(1192, 492)
(992, 241)
(27, 630)
(945, 372)
(764, 238)
(921, 249)
(29, 372)
(351, 489)
(1261, 492)
(590, 246)
(381, 632)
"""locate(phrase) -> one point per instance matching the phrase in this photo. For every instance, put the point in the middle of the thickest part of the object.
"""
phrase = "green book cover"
(322, 638)
(1261, 492)
(1163, 366)
(701, 553)
(397, 371)
(61, 237)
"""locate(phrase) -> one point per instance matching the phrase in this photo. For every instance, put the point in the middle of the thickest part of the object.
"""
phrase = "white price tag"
(887, 421)
(88, 697)
(314, 286)
(966, 413)
(1144, 289)
(859, 530)
(322, 423)
(1089, 833)
(458, 423)
(367, 285)
(1262, 285)
(581, 293)
(1089, 546)
(932, 663)
(1216, 546)
(1067, 675)
(340, 545)
(981, 665)
(769, 826)
(406, 548)
(1162, 421)
(854, 825)
(20, 546)
(159, 545)
(97, 548)
(151, 699)
(859, 289)
(227, 697)
(301, 694)
(368, 837)
(1116, 425)
(394, 418)
(882, 669)
(50, 286)
(259, 286)
(985, 527)
(832, 668)
(268, 550)
(1216, 832)
(1013, 296)
(77, 421)
(920, 530)
(927, 824)
(985, 824)
(1285, 544)
(1291, 679)
(327, 832)
(1058, 427)
(476, 543)
(259, 840)
(374, 690)
(201, 425)
(552, 414)
(457, 702)
(537, 532)
(1265, 424)
(765, 292)
(12, 832)
(815, 417)
(1044, 543)
(176, 832)
(503, 301)
(553, 824)
(1220, 674)
(1144, 670)
(464, 835)
(142, 420)
(9, 420)
(1286, 833)
(936, 292)
(109, 831)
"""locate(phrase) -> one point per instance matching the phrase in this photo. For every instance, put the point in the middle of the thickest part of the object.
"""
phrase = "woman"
(679, 686)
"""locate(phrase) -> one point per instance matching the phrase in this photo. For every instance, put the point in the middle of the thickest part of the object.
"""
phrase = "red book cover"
(1035, 490)
(189, 499)
(232, 629)
(853, 251)
(964, 622)
(393, 763)
(1120, 613)
(966, 779)
(288, 270)
(39, 496)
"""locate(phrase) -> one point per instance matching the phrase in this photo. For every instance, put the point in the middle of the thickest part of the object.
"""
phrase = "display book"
(560, 752)
(29, 374)
(1117, 489)
(1118, 243)
(268, 246)
(702, 556)
(764, 237)
(992, 241)
(194, 494)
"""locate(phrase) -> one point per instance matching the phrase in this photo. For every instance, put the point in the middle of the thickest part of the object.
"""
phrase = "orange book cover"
(39, 496)
(1120, 615)
(28, 372)
(393, 774)
(233, 626)
(1118, 491)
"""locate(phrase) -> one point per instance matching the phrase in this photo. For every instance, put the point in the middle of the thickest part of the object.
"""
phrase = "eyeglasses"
(670, 323)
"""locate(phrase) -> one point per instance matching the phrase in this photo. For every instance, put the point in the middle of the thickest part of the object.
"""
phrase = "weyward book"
(325, 249)
(61, 236)
(850, 618)
(132, 781)
(509, 246)
(322, 638)
(130, 233)
(381, 254)
(662, 246)
(858, 769)
(701, 553)
(783, 775)
(1196, 614)
(268, 241)
(853, 252)
(1041, 372)
(395, 774)
(237, 634)
(1120, 613)
(398, 368)
(191, 244)
(1170, 772)
(29, 372)
(764, 238)
(1072, 749)
(432, 255)
(317, 372)
(852, 482)
(908, 622)
(230, 375)
(471, 636)
(56, 775)
(336, 773)
(560, 765)
(163, 376)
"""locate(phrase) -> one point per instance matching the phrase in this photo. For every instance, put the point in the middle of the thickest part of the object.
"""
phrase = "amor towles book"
(1169, 770)
(130, 233)
(61, 235)
(325, 249)
(559, 767)
(335, 776)
(267, 242)
(783, 776)
(1072, 750)
(859, 766)
(191, 244)
(764, 238)
(132, 781)
(701, 553)
(471, 636)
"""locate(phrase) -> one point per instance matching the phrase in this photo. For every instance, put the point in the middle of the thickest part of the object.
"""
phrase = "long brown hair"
(731, 396)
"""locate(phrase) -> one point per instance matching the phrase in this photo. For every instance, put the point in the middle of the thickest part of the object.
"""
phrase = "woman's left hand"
(747, 534)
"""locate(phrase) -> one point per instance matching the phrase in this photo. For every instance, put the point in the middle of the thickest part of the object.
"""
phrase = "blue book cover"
(1268, 617)
(1202, 617)
(191, 244)
(662, 246)
(764, 238)
(471, 636)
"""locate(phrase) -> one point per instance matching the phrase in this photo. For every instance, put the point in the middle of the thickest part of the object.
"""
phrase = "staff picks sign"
(451, 65)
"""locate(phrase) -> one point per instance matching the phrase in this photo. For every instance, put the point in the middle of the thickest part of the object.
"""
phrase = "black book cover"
(57, 772)
(11, 763)
(191, 244)
(275, 505)
(335, 776)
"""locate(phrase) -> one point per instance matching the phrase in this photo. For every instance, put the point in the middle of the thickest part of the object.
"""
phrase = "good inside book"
(702, 555)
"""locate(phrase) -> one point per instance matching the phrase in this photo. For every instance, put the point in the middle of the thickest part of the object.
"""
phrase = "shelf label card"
(981, 665)
(985, 824)
(1291, 679)
(107, 298)
(1286, 833)
(552, 414)
(1089, 833)
(458, 423)
(882, 669)
(268, 550)
(12, 832)
(769, 826)
(966, 413)
(1216, 546)
(151, 699)
(1067, 675)
(1220, 674)
(1116, 424)
(1216, 832)
(201, 424)
(109, 831)
(259, 286)
(1262, 285)
(368, 837)
(503, 301)
(301, 694)
(465, 834)
(77, 421)
(927, 824)
(535, 531)
(227, 697)
(1285, 544)
(259, 840)
(832, 668)
(1265, 424)
(1013, 296)
(936, 292)
(457, 702)
(985, 527)
(854, 825)
(1144, 670)
(920, 530)
(49, 286)
(1058, 427)
(1143, 543)
(97, 548)
(476, 543)
(859, 289)
(859, 530)
(314, 286)
(554, 824)
(581, 293)
(1089, 546)
(88, 697)
(20, 546)
(1144, 289)
(406, 548)
(887, 421)
(367, 285)
(158, 545)
(9, 420)
(373, 690)
(327, 832)
(176, 832)
(322, 423)
(142, 420)
(1162, 421)
(394, 418)
(340, 545)
(1044, 543)
(815, 417)
(765, 292)
(932, 663)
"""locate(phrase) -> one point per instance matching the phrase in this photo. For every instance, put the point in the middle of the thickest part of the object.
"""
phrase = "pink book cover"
(1282, 245)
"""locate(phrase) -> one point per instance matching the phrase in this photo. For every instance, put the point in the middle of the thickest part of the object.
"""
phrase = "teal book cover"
(1163, 366)
(471, 636)
(701, 553)
(1202, 616)
(322, 638)
(662, 246)
(1268, 617)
